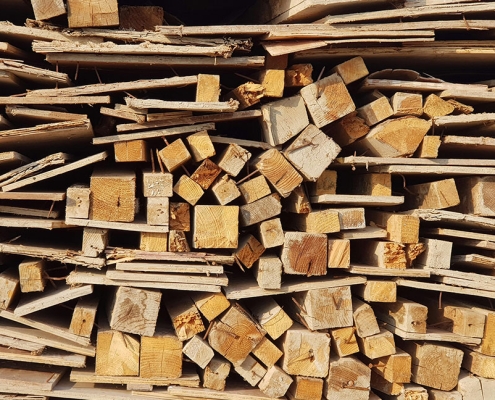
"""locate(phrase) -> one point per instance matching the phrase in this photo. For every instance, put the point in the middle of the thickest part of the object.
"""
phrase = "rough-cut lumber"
(395, 367)
(347, 377)
(344, 341)
(298, 75)
(32, 275)
(249, 250)
(400, 228)
(250, 370)
(227, 106)
(403, 314)
(185, 317)
(304, 253)
(271, 233)
(215, 374)
(78, 201)
(225, 190)
(320, 221)
(224, 218)
(339, 253)
(351, 70)
(267, 352)
(325, 184)
(272, 318)
(275, 383)
(429, 147)
(175, 155)
(208, 88)
(201, 146)
(273, 81)
(131, 151)
(188, 189)
(474, 193)
(157, 184)
(84, 316)
(92, 13)
(94, 241)
(364, 319)
(246, 95)
(358, 200)
(407, 104)
(198, 351)
(260, 210)
(233, 159)
(157, 211)
(254, 189)
(347, 129)
(268, 272)
(437, 254)
(376, 111)
(206, 173)
(210, 305)
(372, 184)
(381, 344)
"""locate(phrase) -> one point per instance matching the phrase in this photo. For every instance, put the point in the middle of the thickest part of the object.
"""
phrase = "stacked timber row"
(189, 216)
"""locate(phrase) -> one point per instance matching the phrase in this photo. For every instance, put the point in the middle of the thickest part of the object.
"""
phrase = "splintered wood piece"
(407, 104)
(246, 95)
(299, 75)
(250, 370)
(175, 155)
(400, 228)
(210, 305)
(437, 254)
(215, 227)
(235, 334)
(327, 100)
(339, 253)
(372, 184)
(305, 352)
(185, 317)
(78, 201)
(364, 319)
(283, 119)
(161, 355)
(305, 388)
(273, 319)
(297, 202)
(260, 210)
(344, 341)
(47, 9)
(475, 195)
(395, 367)
(198, 351)
(83, 14)
(153, 241)
(305, 253)
(325, 184)
(387, 139)
(249, 250)
(157, 211)
(201, 146)
(117, 353)
(436, 107)
(312, 152)
(351, 70)
(188, 189)
(180, 218)
(403, 314)
(206, 173)
(225, 190)
(347, 130)
(268, 272)
(320, 221)
(279, 172)
(378, 345)
(134, 310)
(9, 287)
(94, 241)
(84, 315)
(347, 378)
(429, 147)
(433, 195)
(273, 81)
(233, 159)
(32, 276)
(254, 189)
(434, 365)
(267, 352)
(377, 291)
(322, 308)
(157, 184)
(177, 242)
(275, 383)
(383, 254)
(113, 195)
(271, 233)
(376, 111)
(215, 374)
(208, 88)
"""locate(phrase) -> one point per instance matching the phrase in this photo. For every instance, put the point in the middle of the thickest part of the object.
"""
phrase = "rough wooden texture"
(198, 351)
(429, 147)
(225, 190)
(320, 221)
(407, 104)
(273, 81)
(233, 159)
(250, 370)
(327, 100)
(206, 173)
(82, 14)
(400, 228)
(268, 272)
(304, 253)
(478, 364)
(131, 151)
(188, 189)
(201, 146)
(260, 210)
(325, 184)
(271, 233)
(32, 276)
(208, 88)
(395, 367)
(175, 155)
(157, 211)
(351, 70)
(267, 352)
(215, 374)
(246, 95)
(383, 254)
(210, 305)
(433, 195)
(339, 253)
(249, 250)
(344, 341)
(364, 319)
(376, 111)
(275, 383)
(47, 9)
(475, 195)
(347, 129)
(153, 241)
(437, 254)
(94, 241)
(254, 189)
(272, 318)
(297, 202)
(215, 227)
(378, 345)
(140, 18)
(279, 172)
(157, 184)
(299, 75)
(235, 334)
(78, 201)
(372, 184)
(435, 107)
(185, 317)
(347, 378)
(161, 355)
(84, 316)
(403, 314)
(283, 119)
(134, 310)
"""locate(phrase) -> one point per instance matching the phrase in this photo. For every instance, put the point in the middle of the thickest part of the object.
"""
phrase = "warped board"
(454, 218)
(12, 221)
(220, 280)
(440, 287)
(55, 135)
(197, 119)
(11, 159)
(370, 232)
(246, 288)
(154, 62)
(372, 161)
(139, 225)
(357, 200)
(432, 334)
(459, 234)
(36, 378)
(34, 75)
(87, 375)
(41, 196)
(449, 170)
(26, 114)
(474, 260)
(49, 357)
(189, 268)
(377, 271)
(79, 277)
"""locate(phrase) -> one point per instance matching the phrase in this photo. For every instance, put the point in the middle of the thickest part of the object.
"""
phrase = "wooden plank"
(34, 378)
(135, 226)
(357, 200)
(399, 85)
(440, 287)
(236, 391)
(12, 343)
(469, 95)
(42, 100)
(455, 219)
(477, 145)
(376, 161)
(378, 271)
(459, 234)
(448, 170)
(474, 260)
(48, 357)
(12, 158)
(26, 222)
(189, 268)
(246, 289)
(221, 106)
(82, 14)
(369, 232)
(38, 76)
(167, 278)
(40, 196)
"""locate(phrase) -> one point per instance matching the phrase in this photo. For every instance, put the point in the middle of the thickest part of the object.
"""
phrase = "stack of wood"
(214, 232)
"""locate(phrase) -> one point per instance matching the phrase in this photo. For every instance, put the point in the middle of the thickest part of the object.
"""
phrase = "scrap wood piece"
(220, 106)
(9, 51)
(358, 200)
(441, 287)
(17, 379)
(455, 218)
(451, 170)
(39, 76)
(55, 172)
(47, 357)
(170, 267)
(12, 159)
(40, 196)
(220, 280)
(83, 13)
(47, 9)
(10, 221)
(42, 100)
(138, 225)
(19, 344)
(379, 271)
(402, 85)
(145, 84)
(30, 212)
(374, 161)
(25, 114)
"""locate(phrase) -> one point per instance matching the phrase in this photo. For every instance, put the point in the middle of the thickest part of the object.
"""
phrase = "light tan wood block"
(375, 290)
(469, 386)
(273, 319)
(460, 108)
(177, 242)
(249, 250)
(283, 119)
(395, 367)
(437, 107)
(32, 276)
(339, 253)
(267, 352)
(403, 314)
(407, 104)
(92, 13)
(429, 147)
(273, 81)
(254, 189)
(476, 195)
(305, 388)
(185, 317)
(161, 355)
(372, 184)
(188, 189)
(225, 190)
(175, 155)
(433, 195)
(157, 211)
(201, 146)
(250, 370)
(479, 364)
(210, 305)
(84, 316)
(198, 351)
(47, 9)
(400, 228)
(153, 241)
(134, 310)
(268, 272)
(344, 341)
(233, 159)
(78, 201)
(215, 227)
(299, 75)
(246, 95)
(364, 319)
(113, 196)
(347, 378)
(304, 253)
(131, 151)
(379, 345)
(215, 374)
(305, 352)
(312, 152)
(275, 383)
(9, 287)
(94, 242)
(318, 221)
(156, 184)
(376, 111)
(351, 70)
(271, 233)
(260, 210)
(180, 216)
(325, 184)
(208, 88)
(347, 129)
(235, 334)
(437, 254)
